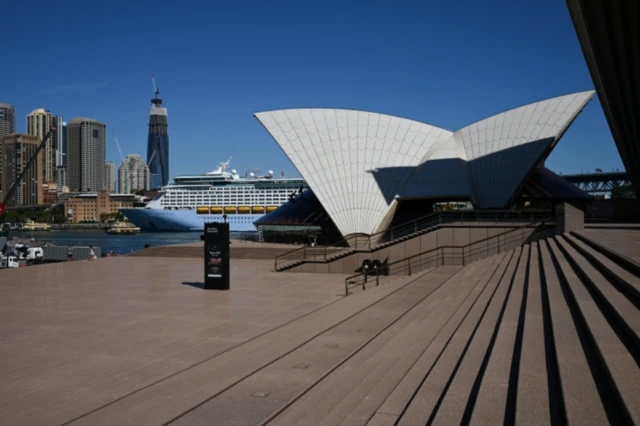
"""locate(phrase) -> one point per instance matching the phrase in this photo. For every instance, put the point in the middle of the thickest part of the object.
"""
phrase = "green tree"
(624, 191)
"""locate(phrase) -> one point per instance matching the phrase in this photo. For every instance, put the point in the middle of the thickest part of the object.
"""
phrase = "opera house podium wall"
(360, 165)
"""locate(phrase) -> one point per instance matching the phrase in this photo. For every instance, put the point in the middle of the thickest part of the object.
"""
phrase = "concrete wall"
(425, 244)
(568, 218)
(59, 254)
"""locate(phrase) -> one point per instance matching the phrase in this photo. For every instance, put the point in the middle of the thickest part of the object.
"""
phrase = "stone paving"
(76, 336)
(623, 241)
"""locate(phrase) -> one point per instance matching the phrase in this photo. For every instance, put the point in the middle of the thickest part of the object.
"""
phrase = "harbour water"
(120, 244)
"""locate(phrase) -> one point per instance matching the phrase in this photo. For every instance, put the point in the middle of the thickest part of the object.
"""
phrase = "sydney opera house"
(365, 170)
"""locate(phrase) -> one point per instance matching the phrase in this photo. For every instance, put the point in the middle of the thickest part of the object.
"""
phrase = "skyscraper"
(87, 149)
(39, 121)
(16, 151)
(7, 127)
(133, 174)
(61, 153)
(110, 177)
(7, 120)
(63, 145)
(158, 143)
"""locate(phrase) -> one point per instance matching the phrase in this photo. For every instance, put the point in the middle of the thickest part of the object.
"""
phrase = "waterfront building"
(366, 168)
(86, 154)
(7, 127)
(158, 144)
(88, 207)
(16, 151)
(39, 121)
(50, 193)
(110, 177)
(133, 175)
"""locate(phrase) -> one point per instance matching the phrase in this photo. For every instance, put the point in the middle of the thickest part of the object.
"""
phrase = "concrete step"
(618, 307)
(532, 390)
(297, 371)
(629, 264)
(579, 390)
(355, 390)
(468, 371)
(628, 282)
(493, 397)
(615, 363)
(425, 403)
(475, 277)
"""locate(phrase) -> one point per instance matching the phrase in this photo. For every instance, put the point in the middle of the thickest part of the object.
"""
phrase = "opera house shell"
(360, 164)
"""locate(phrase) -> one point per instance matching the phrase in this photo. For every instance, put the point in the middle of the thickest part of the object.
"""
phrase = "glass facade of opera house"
(303, 220)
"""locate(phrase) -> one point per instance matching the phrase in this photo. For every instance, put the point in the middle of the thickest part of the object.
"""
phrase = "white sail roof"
(357, 162)
(337, 152)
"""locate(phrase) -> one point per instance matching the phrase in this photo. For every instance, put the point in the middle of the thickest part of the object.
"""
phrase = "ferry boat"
(221, 195)
(123, 228)
(35, 226)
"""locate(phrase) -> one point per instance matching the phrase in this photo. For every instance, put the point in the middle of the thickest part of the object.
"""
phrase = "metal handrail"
(407, 228)
(438, 252)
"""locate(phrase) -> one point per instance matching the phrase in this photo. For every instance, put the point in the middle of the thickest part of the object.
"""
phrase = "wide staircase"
(402, 232)
(544, 333)
(547, 333)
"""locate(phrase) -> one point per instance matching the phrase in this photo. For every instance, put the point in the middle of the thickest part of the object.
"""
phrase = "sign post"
(216, 256)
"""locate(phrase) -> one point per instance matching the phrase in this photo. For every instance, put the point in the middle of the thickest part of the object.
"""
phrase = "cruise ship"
(191, 201)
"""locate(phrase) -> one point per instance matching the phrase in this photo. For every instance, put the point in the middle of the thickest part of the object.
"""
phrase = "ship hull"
(185, 220)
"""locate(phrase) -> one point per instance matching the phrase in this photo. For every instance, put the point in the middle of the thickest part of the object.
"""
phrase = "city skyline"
(53, 156)
(417, 66)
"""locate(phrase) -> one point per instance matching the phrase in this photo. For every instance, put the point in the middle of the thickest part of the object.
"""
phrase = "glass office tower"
(158, 144)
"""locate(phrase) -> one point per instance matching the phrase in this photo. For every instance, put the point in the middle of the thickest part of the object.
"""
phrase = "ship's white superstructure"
(190, 201)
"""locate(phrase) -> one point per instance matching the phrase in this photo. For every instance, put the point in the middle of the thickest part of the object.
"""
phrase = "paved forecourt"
(77, 336)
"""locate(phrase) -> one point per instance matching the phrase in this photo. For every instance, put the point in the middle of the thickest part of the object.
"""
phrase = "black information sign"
(216, 256)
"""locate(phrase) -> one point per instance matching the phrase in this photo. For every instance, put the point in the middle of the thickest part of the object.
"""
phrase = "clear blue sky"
(444, 62)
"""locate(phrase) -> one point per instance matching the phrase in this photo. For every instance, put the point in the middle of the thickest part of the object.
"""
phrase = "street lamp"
(224, 216)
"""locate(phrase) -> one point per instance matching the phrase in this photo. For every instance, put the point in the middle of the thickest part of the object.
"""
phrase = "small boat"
(271, 208)
(35, 226)
(257, 209)
(229, 209)
(123, 228)
(216, 210)
(202, 210)
(243, 209)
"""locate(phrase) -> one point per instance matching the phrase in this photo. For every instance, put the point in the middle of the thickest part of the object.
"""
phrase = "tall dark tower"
(158, 142)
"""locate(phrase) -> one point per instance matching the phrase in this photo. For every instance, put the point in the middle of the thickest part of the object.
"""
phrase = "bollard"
(377, 277)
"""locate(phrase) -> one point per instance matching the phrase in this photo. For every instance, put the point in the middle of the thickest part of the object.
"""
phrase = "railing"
(373, 241)
(461, 217)
(455, 255)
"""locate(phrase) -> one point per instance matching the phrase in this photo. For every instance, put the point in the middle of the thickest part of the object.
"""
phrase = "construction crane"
(115, 138)
(16, 184)
(156, 90)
